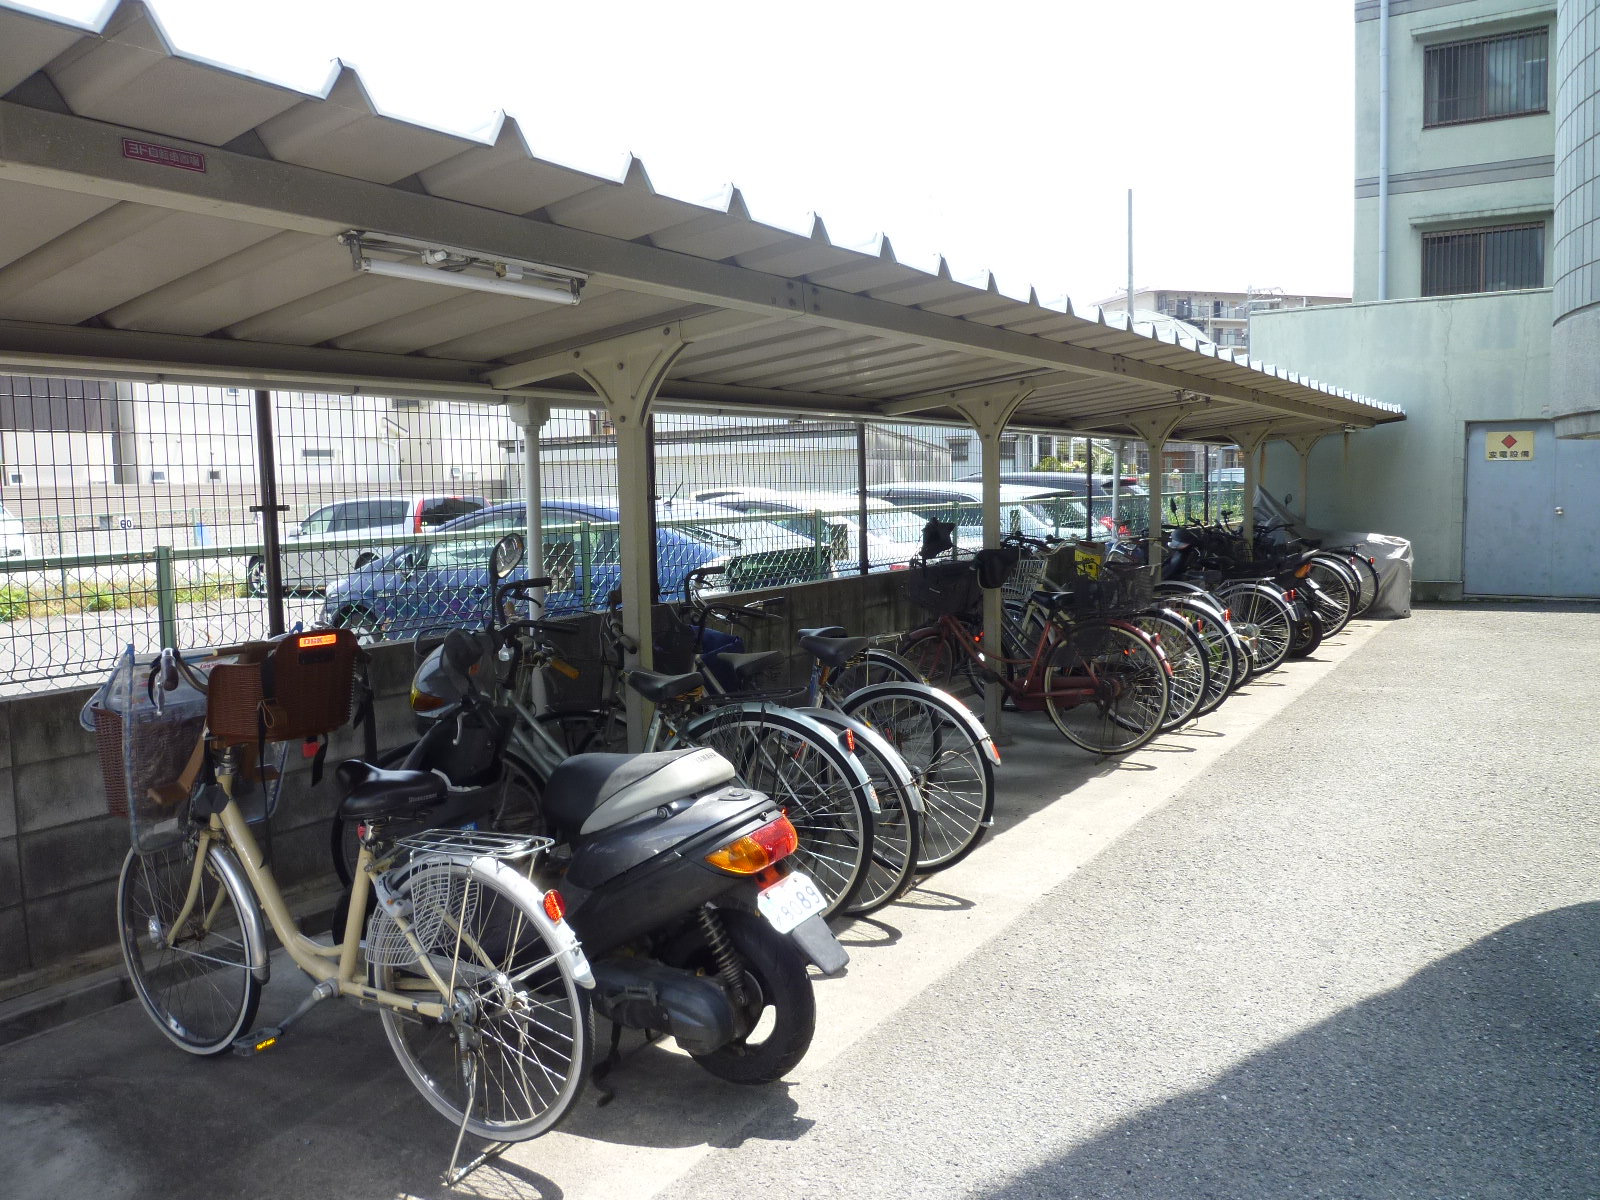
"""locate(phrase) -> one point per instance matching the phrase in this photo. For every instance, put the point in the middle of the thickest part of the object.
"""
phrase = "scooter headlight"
(425, 701)
(755, 852)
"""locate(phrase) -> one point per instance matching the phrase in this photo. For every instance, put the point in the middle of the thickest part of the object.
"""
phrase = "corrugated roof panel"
(851, 373)
(548, 325)
(353, 303)
(132, 75)
(276, 271)
(719, 235)
(505, 176)
(27, 43)
(797, 255)
(121, 253)
(347, 135)
(726, 359)
(36, 215)
(452, 317)
(626, 210)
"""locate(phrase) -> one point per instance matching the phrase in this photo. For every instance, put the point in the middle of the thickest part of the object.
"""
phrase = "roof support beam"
(83, 156)
(989, 409)
(1303, 444)
(626, 377)
(1250, 439)
(578, 359)
(1156, 426)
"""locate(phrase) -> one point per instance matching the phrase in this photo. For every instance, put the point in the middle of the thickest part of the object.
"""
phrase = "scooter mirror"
(506, 556)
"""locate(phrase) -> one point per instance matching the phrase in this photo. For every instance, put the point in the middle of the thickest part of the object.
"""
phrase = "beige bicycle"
(481, 986)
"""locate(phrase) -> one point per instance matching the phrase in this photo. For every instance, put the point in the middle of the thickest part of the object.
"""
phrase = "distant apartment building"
(1477, 299)
(1222, 318)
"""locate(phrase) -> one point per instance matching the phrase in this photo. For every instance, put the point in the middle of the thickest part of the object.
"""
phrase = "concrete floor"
(1340, 939)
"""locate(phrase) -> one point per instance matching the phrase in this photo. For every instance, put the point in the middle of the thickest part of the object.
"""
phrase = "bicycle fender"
(228, 865)
(558, 933)
(960, 711)
(887, 754)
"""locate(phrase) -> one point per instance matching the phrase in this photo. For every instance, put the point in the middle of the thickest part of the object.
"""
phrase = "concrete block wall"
(60, 852)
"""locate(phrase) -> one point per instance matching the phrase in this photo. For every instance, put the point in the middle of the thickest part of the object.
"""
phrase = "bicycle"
(1104, 683)
(482, 989)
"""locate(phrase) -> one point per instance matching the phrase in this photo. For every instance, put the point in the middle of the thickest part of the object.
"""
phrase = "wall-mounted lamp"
(465, 269)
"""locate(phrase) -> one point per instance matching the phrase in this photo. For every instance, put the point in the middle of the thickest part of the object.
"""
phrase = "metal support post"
(988, 409)
(1303, 445)
(530, 416)
(269, 508)
(1157, 427)
(861, 495)
(1088, 489)
(626, 373)
(1250, 439)
(166, 597)
(1116, 485)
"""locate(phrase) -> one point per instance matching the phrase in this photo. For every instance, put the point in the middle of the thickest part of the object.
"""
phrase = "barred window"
(1483, 260)
(1486, 78)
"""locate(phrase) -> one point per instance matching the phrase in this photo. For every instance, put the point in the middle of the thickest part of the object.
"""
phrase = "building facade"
(1474, 255)
(1222, 318)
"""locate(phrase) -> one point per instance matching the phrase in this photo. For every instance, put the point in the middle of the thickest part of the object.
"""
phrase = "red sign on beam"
(165, 156)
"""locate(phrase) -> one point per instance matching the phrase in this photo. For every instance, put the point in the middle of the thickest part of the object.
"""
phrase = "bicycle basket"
(946, 587)
(1113, 588)
(292, 688)
(995, 565)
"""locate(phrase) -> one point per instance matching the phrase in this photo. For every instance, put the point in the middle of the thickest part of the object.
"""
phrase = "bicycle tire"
(1262, 606)
(516, 1061)
(825, 791)
(896, 821)
(1367, 575)
(1130, 687)
(1332, 599)
(1220, 644)
(950, 762)
(1190, 674)
(202, 991)
(938, 659)
(587, 730)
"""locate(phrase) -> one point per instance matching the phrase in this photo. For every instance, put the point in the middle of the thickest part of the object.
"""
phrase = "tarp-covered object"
(1390, 555)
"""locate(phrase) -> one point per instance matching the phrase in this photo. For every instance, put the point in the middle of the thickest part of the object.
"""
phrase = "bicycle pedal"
(258, 1042)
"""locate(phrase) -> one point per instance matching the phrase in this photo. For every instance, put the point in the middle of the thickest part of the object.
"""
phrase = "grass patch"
(19, 603)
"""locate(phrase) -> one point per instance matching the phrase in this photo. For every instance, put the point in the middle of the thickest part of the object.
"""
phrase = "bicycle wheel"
(1217, 641)
(1367, 578)
(949, 761)
(515, 1052)
(1307, 634)
(938, 659)
(1190, 675)
(1261, 606)
(876, 665)
(201, 983)
(586, 730)
(1117, 697)
(897, 822)
(1333, 595)
(824, 790)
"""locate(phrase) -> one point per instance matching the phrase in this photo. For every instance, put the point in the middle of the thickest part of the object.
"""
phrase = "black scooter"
(676, 881)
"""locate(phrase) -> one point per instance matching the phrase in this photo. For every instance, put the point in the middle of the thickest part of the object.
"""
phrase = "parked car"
(14, 543)
(1227, 477)
(446, 581)
(947, 500)
(352, 533)
(893, 535)
(1073, 483)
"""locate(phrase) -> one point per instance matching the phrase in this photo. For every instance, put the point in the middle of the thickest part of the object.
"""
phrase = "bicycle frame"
(1028, 694)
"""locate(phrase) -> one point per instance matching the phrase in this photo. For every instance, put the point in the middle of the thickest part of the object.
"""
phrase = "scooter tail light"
(554, 906)
(757, 851)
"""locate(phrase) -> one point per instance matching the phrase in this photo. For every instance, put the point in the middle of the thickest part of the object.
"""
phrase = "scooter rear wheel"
(781, 1007)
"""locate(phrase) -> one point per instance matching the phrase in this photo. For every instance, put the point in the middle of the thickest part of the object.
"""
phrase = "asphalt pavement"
(1340, 939)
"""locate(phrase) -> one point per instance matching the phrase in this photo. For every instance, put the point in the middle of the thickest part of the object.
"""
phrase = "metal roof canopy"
(212, 255)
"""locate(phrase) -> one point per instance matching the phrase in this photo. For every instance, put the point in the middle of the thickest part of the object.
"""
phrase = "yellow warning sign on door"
(1509, 445)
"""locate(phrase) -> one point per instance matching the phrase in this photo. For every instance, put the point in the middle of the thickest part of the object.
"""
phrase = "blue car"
(444, 581)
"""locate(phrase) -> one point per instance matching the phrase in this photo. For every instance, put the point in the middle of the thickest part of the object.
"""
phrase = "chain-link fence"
(132, 513)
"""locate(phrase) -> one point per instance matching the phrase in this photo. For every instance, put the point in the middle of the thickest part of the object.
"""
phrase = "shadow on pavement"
(1475, 1077)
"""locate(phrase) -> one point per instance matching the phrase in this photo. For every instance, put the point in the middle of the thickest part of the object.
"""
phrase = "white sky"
(1003, 134)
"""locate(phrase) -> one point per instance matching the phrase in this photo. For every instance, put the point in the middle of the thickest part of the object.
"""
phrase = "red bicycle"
(1104, 681)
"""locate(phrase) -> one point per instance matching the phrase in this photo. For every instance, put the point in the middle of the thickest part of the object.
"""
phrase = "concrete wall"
(1478, 173)
(1449, 361)
(60, 853)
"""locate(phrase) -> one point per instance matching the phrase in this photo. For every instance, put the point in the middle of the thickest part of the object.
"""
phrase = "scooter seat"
(833, 652)
(371, 792)
(588, 792)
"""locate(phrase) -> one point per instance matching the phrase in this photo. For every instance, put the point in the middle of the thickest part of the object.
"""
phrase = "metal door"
(1532, 512)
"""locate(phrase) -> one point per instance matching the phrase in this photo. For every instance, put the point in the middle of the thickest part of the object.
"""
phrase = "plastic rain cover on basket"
(145, 738)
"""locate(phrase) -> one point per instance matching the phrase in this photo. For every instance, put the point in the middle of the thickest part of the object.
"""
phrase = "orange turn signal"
(426, 701)
(1302, 570)
(554, 906)
(757, 851)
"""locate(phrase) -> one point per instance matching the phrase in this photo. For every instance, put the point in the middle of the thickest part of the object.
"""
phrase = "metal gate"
(1533, 512)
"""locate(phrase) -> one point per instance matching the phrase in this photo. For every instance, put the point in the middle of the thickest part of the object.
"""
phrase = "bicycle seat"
(747, 666)
(822, 631)
(372, 792)
(656, 688)
(834, 652)
(589, 792)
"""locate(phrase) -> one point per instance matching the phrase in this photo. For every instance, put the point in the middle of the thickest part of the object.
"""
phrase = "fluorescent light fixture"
(467, 269)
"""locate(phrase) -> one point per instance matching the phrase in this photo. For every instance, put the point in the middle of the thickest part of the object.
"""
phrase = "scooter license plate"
(790, 901)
